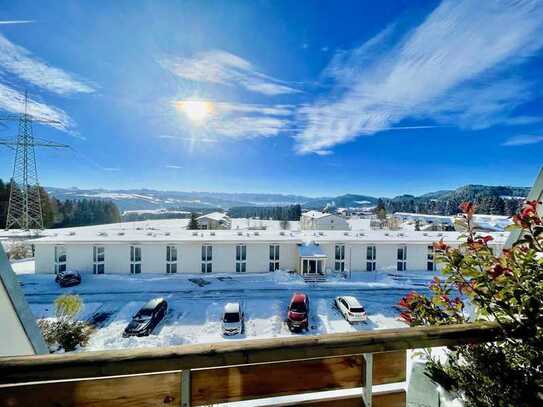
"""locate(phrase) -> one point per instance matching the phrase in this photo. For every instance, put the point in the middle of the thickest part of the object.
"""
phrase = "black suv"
(68, 278)
(147, 318)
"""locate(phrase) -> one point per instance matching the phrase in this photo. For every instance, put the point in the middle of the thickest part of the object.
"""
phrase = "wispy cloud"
(454, 68)
(244, 108)
(7, 22)
(243, 127)
(13, 101)
(174, 167)
(193, 139)
(522, 140)
(247, 121)
(19, 61)
(224, 68)
(111, 169)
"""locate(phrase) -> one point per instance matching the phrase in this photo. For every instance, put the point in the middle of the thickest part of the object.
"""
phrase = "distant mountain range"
(136, 199)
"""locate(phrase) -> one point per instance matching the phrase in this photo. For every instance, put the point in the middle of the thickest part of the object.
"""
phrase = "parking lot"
(196, 303)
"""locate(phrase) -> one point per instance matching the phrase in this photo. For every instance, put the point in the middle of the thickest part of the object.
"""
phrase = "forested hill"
(496, 200)
(57, 214)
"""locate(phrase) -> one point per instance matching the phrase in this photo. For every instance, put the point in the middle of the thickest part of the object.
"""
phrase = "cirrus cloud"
(523, 140)
(221, 67)
(451, 69)
(19, 61)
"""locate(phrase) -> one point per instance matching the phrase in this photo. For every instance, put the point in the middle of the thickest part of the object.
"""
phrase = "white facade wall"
(117, 256)
(329, 222)
(214, 224)
(80, 258)
(153, 257)
(44, 255)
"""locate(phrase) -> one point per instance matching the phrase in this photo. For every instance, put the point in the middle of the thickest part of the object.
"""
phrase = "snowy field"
(195, 303)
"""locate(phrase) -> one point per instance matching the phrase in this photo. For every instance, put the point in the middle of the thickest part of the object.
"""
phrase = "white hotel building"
(124, 249)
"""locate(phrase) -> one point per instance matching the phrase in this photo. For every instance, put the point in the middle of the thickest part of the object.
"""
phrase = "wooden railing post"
(368, 382)
(185, 388)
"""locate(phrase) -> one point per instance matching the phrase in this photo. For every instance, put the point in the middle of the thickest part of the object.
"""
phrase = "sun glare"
(197, 111)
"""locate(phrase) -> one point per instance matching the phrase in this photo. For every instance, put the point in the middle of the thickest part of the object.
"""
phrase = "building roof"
(444, 218)
(310, 249)
(316, 214)
(24, 337)
(218, 216)
(172, 230)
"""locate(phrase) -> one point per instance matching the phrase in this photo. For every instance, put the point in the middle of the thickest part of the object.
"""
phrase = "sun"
(197, 111)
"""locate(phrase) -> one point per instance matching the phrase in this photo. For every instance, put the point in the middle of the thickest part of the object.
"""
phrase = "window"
(340, 258)
(430, 265)
(402, 258)
(207, 258)
(371, 254)
(135, 260)
(274, 257)
(241, 258)
(171, 259)
(60, 259)
(98, 258)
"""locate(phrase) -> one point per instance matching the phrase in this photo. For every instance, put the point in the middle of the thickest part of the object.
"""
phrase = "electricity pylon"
(24, 210)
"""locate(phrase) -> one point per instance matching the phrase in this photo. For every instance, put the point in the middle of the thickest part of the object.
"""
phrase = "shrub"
(65, 331)
(68, 306)
(18, 251)
(507, 289)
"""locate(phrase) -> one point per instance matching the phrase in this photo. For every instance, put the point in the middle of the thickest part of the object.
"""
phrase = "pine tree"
(381, 212)
(193, 223)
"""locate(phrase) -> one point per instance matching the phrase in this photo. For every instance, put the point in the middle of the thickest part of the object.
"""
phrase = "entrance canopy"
(312, 259)
(310, 249)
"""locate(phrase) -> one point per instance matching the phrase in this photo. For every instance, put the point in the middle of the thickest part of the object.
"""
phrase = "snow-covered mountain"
(144, 199)
(153, 199)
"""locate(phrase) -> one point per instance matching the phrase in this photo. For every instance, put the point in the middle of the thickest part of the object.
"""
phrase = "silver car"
(232, 319)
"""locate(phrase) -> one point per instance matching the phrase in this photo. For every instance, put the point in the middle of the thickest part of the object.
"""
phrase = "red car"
(298, 312)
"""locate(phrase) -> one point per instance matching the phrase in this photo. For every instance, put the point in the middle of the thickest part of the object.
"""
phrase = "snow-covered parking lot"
(196, 302)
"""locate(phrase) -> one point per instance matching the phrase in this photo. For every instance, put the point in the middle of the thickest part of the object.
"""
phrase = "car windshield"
(144, 313)
(231, 317)
(297, 307)
(357, 309)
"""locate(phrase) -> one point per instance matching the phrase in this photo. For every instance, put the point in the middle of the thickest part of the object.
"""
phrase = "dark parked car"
(68, 278)
(147, 318)
(298, 312)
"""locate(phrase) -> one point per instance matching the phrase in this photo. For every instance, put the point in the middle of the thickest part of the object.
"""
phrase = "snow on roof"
(423, 216)
(231, 307)
(359, 223)
(351, 301)
(174, 230)
(155, 212)
(316, 214)
(310, 249)
(151, 304)
(218, 216)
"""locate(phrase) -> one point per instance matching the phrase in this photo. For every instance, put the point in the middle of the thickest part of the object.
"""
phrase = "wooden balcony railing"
(195, 375)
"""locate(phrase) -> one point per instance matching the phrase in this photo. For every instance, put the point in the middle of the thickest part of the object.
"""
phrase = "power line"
(24, 209)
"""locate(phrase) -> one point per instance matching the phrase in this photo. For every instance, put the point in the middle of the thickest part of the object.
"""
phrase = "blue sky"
(314, 97)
